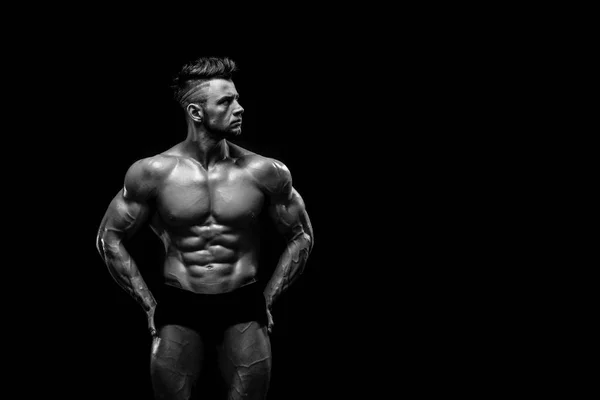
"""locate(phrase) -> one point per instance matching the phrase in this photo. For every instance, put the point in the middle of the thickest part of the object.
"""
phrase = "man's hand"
(150, 316)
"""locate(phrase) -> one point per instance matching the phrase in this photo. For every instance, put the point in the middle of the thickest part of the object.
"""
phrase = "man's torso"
(208, 221)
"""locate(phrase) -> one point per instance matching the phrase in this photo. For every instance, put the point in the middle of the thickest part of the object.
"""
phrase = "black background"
(377, 136)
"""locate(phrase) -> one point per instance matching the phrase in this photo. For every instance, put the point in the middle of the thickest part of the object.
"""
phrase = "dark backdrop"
(376, 145)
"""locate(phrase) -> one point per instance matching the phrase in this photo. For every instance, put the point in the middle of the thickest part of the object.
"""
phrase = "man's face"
(222, 111)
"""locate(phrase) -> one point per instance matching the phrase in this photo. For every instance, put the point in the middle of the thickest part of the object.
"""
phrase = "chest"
(229, 195)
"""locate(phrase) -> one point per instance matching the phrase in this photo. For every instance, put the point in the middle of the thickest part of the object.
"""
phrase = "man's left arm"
(289, 214)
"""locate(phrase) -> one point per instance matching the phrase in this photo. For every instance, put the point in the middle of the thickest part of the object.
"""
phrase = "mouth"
(237, 123)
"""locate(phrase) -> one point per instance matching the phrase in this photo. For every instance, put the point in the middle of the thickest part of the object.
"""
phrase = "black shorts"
(210, 314)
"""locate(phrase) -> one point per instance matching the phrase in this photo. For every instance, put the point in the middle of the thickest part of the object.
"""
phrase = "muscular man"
(203, 198)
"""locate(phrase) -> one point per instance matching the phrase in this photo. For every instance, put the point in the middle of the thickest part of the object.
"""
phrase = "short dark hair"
(198, 71)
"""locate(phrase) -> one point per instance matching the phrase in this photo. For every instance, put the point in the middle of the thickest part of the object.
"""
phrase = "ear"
(195, 112)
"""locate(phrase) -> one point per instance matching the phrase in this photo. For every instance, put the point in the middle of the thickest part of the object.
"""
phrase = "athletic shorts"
(210, 314)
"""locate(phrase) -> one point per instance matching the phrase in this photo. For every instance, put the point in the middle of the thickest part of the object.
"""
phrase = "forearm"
(125, 272)
(290, 267)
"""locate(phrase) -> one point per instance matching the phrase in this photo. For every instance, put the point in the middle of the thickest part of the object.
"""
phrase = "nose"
(239, 110)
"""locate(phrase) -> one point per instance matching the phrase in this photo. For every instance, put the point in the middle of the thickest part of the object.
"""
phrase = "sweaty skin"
(207, 220)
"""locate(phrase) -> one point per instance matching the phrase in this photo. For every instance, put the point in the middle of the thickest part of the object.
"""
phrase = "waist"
(240, 295)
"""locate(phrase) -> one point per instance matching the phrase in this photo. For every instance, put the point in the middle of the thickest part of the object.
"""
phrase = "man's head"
(205, 90)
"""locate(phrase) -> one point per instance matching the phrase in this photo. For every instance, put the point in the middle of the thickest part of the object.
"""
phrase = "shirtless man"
(202, 198)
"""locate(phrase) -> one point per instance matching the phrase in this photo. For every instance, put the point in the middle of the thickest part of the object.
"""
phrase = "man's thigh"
(176, 359)
(245, 359)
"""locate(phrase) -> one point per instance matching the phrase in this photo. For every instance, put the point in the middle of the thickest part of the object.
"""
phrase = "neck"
(205, 148)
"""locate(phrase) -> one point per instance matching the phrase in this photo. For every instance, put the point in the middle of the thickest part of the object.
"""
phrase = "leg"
(175, 362)
(246, 361)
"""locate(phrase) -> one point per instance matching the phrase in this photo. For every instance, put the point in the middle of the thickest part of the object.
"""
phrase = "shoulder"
(143, 175)
(270, 173)
(151, 167)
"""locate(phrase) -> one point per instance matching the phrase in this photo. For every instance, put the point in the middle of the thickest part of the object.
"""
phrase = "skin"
(202, 198)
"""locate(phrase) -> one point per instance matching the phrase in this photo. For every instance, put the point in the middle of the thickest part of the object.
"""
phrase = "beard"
(236, 131)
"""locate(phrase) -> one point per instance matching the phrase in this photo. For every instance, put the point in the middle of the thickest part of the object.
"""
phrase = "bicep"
(123, 217)
(289, 214)
(129, 208)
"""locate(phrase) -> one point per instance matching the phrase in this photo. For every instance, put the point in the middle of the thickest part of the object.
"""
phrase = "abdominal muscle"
(210, 259)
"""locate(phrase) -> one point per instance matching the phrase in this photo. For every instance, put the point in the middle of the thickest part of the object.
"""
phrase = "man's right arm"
(127, 212)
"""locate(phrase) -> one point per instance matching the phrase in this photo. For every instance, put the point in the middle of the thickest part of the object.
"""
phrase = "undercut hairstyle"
(187, 82)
